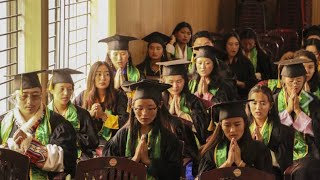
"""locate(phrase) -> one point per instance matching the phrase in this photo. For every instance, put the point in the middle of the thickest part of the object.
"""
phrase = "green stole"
(220, 153)
(265, 131)
(300, 148)
(105, 132)
(155, 153)
(317, 93)
(133, 73)
(272, 84)
(193, 84)
(42, 134)
(72, 116)
(254, 58)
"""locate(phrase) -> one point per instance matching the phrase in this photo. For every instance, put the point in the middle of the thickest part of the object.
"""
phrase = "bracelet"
(240, 163)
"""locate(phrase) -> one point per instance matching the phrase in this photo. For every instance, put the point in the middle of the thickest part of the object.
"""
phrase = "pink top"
(303, 123)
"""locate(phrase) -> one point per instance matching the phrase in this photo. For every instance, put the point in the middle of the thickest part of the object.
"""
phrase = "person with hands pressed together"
(37, 132)
(231, 143)
(143, 138)
(299, 110)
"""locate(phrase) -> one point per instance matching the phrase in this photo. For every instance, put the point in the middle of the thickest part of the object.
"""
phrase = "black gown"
(310, 164)
(167, 167)
(120, 110)
(146, 70)
(63, 135)
(87, 137)
(255, 154)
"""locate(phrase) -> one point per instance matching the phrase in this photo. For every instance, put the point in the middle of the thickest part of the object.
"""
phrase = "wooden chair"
(235, 173)
(111, 168)
(13, 165)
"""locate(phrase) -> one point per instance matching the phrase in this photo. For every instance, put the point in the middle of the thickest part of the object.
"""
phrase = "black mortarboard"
(118, 42)
(62, 75)
(293, 67)
(174, 67)
(231, 109)
(26, 80)
(206, 51)
(157, 37)
(146, 89)
(313, 30)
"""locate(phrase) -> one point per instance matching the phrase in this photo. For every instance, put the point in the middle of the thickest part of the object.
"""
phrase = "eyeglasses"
(32, 97)
(147, 109)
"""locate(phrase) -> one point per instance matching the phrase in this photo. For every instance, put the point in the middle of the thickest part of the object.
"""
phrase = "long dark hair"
(239, 54)
(91, 93)
(181, 25)
(272, 115)
(147, 59)
(249, 33)
(218, 136)
(134, 127)
(314, 81)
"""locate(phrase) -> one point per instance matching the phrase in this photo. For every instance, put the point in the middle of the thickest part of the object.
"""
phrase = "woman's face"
(155, 51)
(62, 93)
(310, 69)
(232, 46)
(145, 111)
(248, 44)
(293, 85)
(204, 66)
(177, 83)
(260, 106)
(119, 58)
(233, 127)
(102, 77)
(183, 36)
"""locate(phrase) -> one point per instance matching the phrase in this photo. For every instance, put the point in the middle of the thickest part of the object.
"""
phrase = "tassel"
(278, 82)
(21, 88)
(50, 88)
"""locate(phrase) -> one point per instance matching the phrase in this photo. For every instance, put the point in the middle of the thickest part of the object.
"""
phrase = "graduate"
(299, 110)
(61, 87)
(231, 143)
(106, 105)
(181, 102)
(265, 126)
(143, 138)
(37, 132)
(119, 59)
(206, 83)
(156, 52)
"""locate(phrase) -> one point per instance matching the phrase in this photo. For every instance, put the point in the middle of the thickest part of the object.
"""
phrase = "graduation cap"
(146, 89)
(157, 37)
(26, 80)
(174, 67)
(118, 42)
(61, 76)
(231, 109)
(293, 67)
(206, 51)
(313, 30)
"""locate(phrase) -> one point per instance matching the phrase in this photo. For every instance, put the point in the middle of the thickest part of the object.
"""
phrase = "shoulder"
(58, 121)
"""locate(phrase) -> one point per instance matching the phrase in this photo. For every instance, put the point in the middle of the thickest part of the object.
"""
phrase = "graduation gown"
(167, 167)
(255, 154)
(264, 65)
(120, 111)
(61, 134)
(145, 68)
(311, 159)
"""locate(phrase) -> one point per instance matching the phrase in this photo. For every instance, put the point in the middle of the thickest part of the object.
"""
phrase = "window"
(9, 32)
(69, 30)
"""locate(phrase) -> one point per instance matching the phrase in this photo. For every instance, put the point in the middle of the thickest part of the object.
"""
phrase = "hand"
(306, 87)
(177, 106)
(296, 105)
(258, 76)
(290, 103)
(231, 153)
(172, 106)
(117, 77)
(137, 154)
(257, 135)
(173, 39)
(93, 112)
(241, 84)
(19, 136)
(205, 85)
(144, 151)
(200, 86)
(237, 154)
(100, 113)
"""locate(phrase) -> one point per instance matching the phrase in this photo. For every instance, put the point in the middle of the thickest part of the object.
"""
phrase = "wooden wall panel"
(141, 17)
(315, 12)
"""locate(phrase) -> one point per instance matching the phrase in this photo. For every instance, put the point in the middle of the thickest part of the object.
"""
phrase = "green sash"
(133, 73)
(183, 105)
(265, 131)
(272, 84)
(220, 154)
(155, 153)
(193, 84)
(300, 148)
(253, 58)
(42, 134)
(317, 93)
